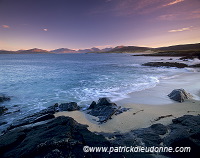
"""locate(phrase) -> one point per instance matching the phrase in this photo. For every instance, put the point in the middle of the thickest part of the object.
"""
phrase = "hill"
(29, 51)
(128, 49)
(181, 47)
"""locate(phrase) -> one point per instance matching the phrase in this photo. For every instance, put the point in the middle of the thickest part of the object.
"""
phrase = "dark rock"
(165, 64)
(44, 114)
(179, 95)
(196, 65)
(36, 116)
(72, 106)
(2, 109)
(187, 120)
(185, 132)
(10, 140)
(104, 101)
(44, 118)
(4, 98)
(119, 111)
(54, 154)
(185, 58)
(159, 129)
(61, 137)
(150, 138)
(92, 105)
(104, 109)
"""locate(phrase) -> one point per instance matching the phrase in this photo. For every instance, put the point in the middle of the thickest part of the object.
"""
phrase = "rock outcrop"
(179, 95)
(103, 109)
(44, 114)
(183, 132)
(72, 106)
(61, 137)
(165, 64)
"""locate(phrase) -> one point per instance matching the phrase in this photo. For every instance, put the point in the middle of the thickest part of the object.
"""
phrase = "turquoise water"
(35, 81)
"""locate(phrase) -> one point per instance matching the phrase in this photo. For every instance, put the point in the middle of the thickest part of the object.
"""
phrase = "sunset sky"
(79, 24)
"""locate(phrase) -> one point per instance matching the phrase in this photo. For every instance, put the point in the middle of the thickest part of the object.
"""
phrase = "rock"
(194, 66)
(2, 109)
(61, 137)
(185, 132)
(44, 118)
(119, 111)
(104, 109)
(72, 106)
(4, 98)
(104, 101)
(159, 129)
(150, 138)
(44, 114)
(185, 58)
(36, 117)
(187, 120)
(92, 105)
(165, 64)
(179, 95)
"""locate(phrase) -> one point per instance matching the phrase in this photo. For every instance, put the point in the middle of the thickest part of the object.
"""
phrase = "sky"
(80, 24)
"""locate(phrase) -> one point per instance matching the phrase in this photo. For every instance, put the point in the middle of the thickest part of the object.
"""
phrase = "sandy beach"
(148, 107)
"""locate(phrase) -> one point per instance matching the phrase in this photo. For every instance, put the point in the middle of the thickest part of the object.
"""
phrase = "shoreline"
(147, 106)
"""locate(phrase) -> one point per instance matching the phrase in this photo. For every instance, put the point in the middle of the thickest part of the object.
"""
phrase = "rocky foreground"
(43, 135)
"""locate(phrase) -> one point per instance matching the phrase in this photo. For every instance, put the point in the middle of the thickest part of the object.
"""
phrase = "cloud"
(181, 16)
(45, 29)
(174, 2)
(182, 29)
(5, 26)
(131, 7)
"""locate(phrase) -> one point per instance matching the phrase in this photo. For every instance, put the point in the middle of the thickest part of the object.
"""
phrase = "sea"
(36, 81)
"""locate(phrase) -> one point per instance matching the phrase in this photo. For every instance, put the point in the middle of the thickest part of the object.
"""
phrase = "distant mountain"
(64, 50)
(89, 50)
(106, 49)
(171, 50)
(32, 51)
(29, 51)
(128, 49)
(6, 52)
(175, 48)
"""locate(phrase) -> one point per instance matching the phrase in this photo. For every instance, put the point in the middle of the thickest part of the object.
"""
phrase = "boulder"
(179, 95)
(165, 64)
(104, 109)
(72, 106)
(92, 105)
